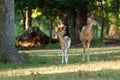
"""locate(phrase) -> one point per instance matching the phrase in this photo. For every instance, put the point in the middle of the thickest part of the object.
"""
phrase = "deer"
(86, 36)
(65, 42)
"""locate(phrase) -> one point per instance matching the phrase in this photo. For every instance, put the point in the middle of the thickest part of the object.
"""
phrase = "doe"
(86, 36)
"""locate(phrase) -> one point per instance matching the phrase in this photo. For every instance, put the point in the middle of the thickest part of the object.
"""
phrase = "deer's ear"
(63, 28)
(56, 33)
(90, 15)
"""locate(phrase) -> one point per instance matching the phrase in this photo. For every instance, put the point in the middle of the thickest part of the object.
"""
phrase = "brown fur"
(65, 42)
(86, 37)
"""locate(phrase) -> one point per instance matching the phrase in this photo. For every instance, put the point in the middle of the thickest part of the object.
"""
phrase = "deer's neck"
(62, 42)
(88, 26)
(61, 39)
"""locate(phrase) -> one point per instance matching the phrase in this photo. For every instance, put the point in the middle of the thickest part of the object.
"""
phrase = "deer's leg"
(66, 55)
(84, 52)
(62, 56)
(88, 45)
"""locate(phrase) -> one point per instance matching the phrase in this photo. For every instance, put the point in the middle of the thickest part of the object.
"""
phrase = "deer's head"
(91, 21)
(60, 33)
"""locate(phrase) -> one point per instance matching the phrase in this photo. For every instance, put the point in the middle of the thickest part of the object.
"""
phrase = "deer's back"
(68, 41)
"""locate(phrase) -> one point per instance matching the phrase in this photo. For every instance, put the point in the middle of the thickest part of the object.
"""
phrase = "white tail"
(86, 36)
(65, 43)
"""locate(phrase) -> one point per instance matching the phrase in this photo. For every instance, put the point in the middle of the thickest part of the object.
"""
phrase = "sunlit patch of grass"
(104, 74)
(79, 75)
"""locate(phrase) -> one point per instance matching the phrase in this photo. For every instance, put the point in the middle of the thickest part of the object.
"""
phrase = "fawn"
(65, 43)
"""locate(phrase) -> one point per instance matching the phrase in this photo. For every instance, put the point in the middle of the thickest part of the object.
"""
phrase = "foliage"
(44, 10)
(52, 46)
(97, 43)
(18, 29)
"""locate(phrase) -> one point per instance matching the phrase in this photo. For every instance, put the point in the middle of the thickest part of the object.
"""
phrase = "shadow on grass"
(105, 57)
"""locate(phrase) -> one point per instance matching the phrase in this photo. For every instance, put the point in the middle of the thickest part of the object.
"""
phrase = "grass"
(104, 65)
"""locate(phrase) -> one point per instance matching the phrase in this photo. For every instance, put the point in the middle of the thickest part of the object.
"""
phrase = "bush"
(52, 46)
(97, 43)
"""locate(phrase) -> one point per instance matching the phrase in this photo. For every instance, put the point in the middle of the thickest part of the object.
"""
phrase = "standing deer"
(65, 43)
(86, 37)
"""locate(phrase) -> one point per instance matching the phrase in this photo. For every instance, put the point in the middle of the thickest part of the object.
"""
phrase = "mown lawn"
(40, 65)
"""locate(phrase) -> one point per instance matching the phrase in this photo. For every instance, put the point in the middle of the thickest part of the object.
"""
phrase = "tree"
(74, 14)
(20, 8)
(8, 52)
(103, 19)
(69, 11)
(25, 8)
(50, 11)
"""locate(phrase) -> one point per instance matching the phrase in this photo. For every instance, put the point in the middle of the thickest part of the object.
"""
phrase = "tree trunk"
(103, 19)
(27, 19)
(118, 8)
(23, 19)
(80, 21)
(72, 25)
(50, 21)
(8, 52)
(81, 18)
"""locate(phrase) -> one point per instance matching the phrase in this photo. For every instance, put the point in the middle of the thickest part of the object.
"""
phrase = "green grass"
(38, 65)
